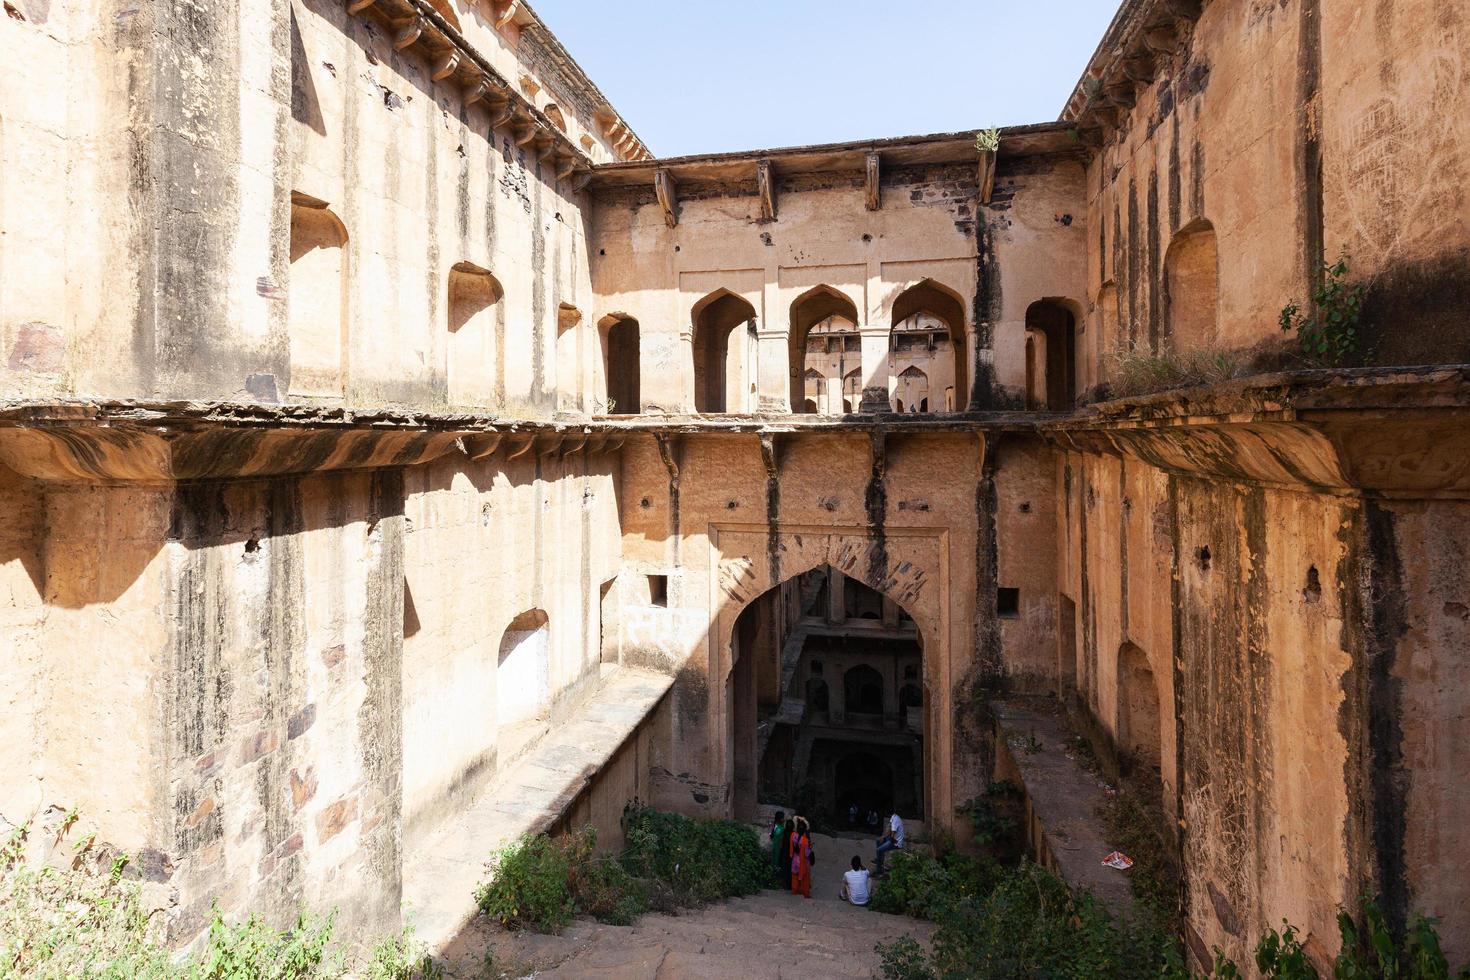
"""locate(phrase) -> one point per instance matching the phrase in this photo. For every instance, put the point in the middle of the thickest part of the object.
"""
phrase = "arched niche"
(474, 296)
(1054, 371)
(523, 670)
(317, 300)
(1192, 288)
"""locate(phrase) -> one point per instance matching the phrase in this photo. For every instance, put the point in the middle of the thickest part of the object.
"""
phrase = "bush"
(252, 950)
(921, 886)
(903, 959)
(694, 861)
(529, 885)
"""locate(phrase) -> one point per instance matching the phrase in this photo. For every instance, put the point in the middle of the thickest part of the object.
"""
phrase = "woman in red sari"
(801, 858)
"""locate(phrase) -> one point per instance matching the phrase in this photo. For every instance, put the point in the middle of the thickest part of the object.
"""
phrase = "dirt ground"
(764, 937)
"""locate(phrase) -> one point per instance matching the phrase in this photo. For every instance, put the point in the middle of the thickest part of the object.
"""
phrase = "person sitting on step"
(857, 884)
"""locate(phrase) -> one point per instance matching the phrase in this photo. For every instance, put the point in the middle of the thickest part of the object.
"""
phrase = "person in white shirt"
(857, 885)
(892, 839)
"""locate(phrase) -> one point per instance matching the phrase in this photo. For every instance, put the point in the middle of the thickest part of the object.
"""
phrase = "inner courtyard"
(398, 457)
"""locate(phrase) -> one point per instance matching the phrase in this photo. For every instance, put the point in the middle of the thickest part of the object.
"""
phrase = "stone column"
(836, 596)
(773, 372)
(875, 370)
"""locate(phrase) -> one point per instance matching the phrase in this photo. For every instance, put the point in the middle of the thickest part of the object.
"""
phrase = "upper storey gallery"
(427, 204)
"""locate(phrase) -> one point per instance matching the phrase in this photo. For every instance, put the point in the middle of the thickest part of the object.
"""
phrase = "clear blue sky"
(704, 76)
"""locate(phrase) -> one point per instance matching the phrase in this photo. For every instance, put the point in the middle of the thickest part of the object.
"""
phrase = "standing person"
(857, 884)
(892, 839)
(802, 858)
(852, 815)
(780, 856)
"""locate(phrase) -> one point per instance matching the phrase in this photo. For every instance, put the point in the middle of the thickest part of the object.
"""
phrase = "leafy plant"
(252, 950)
(987, 140)
(995, 816)
(903, 959)
(921, 886)
(697, 861)
(400, 957)
(529, 885)
(1331, 337)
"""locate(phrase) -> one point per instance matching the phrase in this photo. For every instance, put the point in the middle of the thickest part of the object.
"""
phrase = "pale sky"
(705, 76)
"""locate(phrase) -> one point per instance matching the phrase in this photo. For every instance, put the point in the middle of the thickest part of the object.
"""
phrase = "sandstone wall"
(927, 526)
(150, 225)
(994, 261)
(1273, 135)
(1302, 669)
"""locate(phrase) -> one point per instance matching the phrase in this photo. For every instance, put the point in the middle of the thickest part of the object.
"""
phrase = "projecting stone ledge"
(537, 794)
(1064, 829)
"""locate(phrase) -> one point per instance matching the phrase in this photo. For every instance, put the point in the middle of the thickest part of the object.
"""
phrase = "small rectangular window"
(658, 590)
(1008, 603)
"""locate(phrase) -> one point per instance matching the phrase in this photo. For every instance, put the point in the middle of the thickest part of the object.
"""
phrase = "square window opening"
(658, 590)
(1008, 603)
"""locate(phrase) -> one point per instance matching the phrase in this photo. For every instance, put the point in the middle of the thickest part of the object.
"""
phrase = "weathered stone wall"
(734, 529)
(1351, 139)
(487, 541)
(163, 265)
(995, 260)
(1302, 670)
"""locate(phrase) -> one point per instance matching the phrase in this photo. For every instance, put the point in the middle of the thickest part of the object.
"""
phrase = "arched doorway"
(621, 365)
(827, 669)
(1054, 373)
(724, 357)
(822, 316)
(929, 333)
(912, 389)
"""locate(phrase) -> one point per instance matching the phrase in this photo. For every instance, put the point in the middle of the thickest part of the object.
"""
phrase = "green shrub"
(694, 861)
(400, 957)
(921, 886)
(252, 950)
(529, 886)
(1331, 337)
(903, 959)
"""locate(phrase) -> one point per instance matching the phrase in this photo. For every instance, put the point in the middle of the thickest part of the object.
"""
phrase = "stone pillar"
(875, 370)
(890, 613)
(836, 596)
(773, 372)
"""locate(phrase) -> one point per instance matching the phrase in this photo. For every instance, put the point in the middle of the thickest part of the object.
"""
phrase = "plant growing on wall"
(1330, 338)
(987, 140)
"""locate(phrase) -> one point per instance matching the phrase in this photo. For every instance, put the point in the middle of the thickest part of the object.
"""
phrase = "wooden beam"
(765, 184)
(875, 163)
(985, 177)
(667, 190)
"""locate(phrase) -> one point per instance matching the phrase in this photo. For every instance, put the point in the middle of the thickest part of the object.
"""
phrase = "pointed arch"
(1051, 326)
(1192, 287)
(807, 310)
(720, 364)
(947, 351)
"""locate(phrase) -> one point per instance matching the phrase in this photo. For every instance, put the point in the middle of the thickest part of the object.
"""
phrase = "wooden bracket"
(409, 32)
(565, 165)
(476, 91)
(985, 178)
(358, 6)
(446, 64)
(667, 190)
(765, 183)
(525, 132)
(770, 454)
(504, 11)
(580, 184)
(502, 111)
(875, 164)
